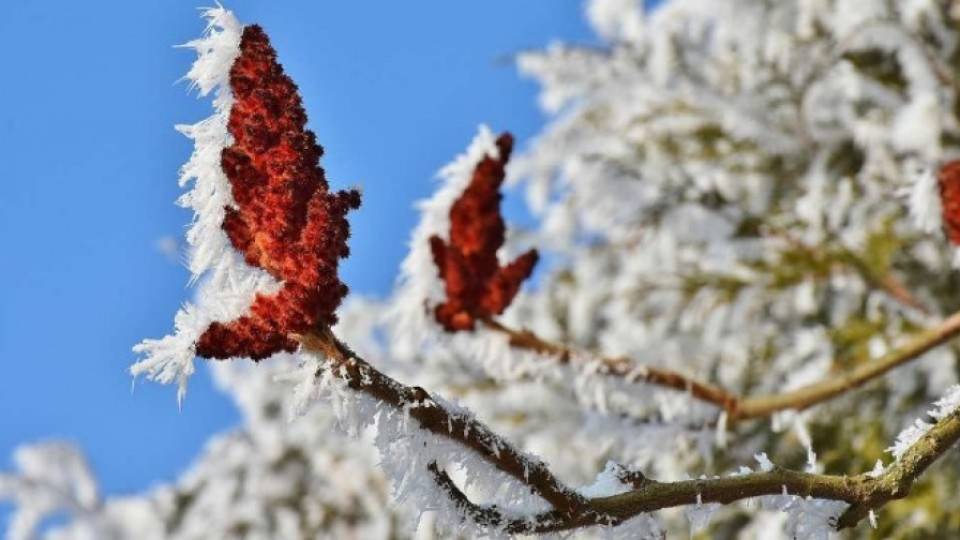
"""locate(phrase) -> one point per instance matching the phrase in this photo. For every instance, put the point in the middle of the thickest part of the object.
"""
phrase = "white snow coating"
(616, 20)
(419, 285)
(699, 515)
(765, 464)
(406, 452)
(943, 407)
(606, 483)
(52, 476)
(226, 283)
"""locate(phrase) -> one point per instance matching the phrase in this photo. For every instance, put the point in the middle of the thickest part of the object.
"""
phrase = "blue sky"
(89, 164)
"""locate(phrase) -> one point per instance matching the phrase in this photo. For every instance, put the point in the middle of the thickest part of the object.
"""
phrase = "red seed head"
(949, 181)
(476, 285)
(286, 220)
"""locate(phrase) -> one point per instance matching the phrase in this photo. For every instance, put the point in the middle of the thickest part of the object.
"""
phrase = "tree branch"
(896, 481)
(433, 417)
(813, 394)
(744, 407)
(571, 510)
(619, 366)
(864, 492)
(494, 518)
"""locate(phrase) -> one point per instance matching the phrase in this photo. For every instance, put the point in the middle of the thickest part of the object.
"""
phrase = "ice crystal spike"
(949, 181)
(476, 285)
(286, 220)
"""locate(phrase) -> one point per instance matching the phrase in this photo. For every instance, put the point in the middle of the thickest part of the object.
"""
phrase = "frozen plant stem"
(745, 407)
(619, 367)
(571, 510)
(433, 417)
(813, 394)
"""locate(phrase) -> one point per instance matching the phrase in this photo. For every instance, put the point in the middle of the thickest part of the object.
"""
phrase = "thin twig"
(745, 407)
(571, 510)
(619, 366)
(863, 492)
(815, 393)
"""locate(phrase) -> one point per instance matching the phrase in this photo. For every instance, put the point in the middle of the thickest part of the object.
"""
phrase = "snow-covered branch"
(431, 415)
(864, 492)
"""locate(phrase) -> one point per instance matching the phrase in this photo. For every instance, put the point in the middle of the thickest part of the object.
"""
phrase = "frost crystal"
(608, 482)
(925, 207)
(700, 515)
(946, 405)
(716, 192)
(765, 464)
(170, 359)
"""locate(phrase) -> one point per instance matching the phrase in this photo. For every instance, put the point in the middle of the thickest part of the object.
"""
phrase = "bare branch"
(744, 407)
(864, 492)
(813, 394)
(620, 367)
(492, 517)
(895, 482)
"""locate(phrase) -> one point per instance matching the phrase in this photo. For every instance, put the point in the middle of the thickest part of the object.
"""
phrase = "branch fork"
(570, 510)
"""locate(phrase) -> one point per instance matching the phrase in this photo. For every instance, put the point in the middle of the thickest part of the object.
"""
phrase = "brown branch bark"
(863, 492)
(895, 482)
(746, 407)
(571, 510)
(431, 416)
(620, 367)
(813, 394)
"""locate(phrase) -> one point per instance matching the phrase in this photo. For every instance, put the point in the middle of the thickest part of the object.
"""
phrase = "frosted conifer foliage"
(743, 296)
(724, 185)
